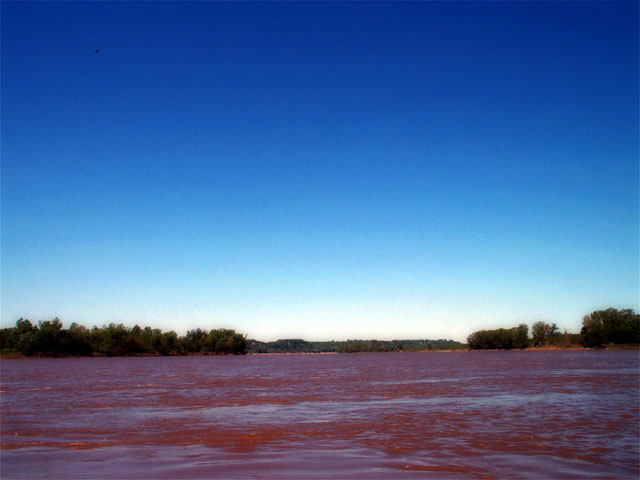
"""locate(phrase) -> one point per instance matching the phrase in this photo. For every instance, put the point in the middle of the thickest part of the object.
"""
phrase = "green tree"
(501, 338)
(6, 339)
(23, 327)
(195, 339)
(602, 327)
(48, 337)
(520, 336)
(159, 342)
(542, 332)
(27, 343)
(171, 341)
(78, 340)
(136, 343)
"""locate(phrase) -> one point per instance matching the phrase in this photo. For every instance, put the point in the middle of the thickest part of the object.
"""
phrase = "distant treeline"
(599, 328)
(351, 346)
(50, 339)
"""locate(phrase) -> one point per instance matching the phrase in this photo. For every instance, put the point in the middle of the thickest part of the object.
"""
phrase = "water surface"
(554, 414)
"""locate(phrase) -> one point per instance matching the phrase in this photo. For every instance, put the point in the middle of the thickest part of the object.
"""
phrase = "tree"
(78, 340)
(194, 341)
(171, 341)
(48, 337)
(23, 327)
(159, 341)
(501, 338)
(542, 332)
(521, 336)
(27, 343)
(610, 326)
(6, 335)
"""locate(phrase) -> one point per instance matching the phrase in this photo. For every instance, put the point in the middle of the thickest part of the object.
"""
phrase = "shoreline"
(545, 348)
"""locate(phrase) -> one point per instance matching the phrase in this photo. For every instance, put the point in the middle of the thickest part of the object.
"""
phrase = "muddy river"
(554, 414)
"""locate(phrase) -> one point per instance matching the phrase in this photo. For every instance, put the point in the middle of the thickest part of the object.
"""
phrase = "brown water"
(558, 414)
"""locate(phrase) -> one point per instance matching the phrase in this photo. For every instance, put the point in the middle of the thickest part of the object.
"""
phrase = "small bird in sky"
(97, 50)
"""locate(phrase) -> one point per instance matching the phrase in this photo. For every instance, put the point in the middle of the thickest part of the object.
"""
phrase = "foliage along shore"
(50, 339)
(609, 328)
(295, 345)
(601, 328)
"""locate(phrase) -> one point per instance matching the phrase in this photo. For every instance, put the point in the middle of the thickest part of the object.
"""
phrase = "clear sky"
(319, 170)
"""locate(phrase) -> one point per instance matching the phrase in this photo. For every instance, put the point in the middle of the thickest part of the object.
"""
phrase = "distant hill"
(296, 345)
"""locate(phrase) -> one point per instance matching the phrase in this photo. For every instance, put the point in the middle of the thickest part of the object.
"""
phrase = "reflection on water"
(572, 414)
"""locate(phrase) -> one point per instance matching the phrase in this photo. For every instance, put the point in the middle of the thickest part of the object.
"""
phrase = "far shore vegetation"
(602, 328)
(352, 346)
(608, 328)
(50, 339)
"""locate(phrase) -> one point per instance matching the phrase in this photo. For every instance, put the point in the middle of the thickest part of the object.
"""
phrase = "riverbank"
(5, 355)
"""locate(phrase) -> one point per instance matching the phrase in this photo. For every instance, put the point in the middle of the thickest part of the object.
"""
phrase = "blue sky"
(319, 170)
